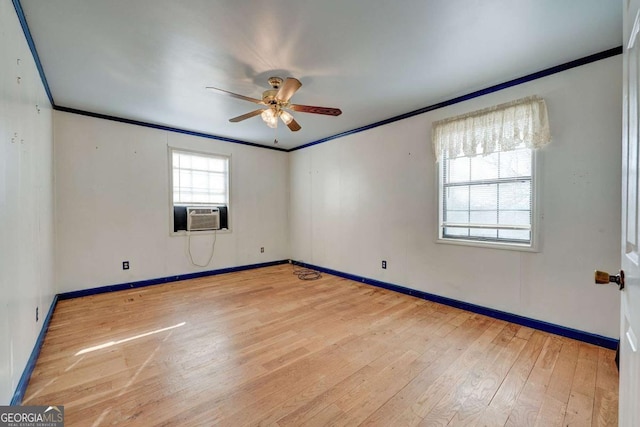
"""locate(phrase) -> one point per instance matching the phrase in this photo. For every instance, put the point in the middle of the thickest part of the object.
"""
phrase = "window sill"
(489, 245)
(199, 233)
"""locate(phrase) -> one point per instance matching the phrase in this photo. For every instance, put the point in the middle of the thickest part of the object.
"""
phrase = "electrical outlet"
(262, 250)
(384, 265)
(125, 265)
(37, 316)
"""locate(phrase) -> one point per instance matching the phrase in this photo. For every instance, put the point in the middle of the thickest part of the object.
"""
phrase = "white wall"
(26, 202)
(112, 204)
(372, 196)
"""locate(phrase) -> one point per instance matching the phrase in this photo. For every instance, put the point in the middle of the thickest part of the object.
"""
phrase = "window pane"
(483, 232)
(515, 217)
(200, 180)
(185, 161)
(484, 167)
(456, 232)
(199, 197)
(218, 199)
(457, 198)
(458, 169)
(457, 217)
(200, 163)
(515, 195)
(217, 182)
(515, 163)
(483, 217)
(522, 235)
(217, 165)
(185, 179)
(176, 178)
(483, 197)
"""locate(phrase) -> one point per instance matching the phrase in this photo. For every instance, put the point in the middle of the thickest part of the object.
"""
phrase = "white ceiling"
(150, 60)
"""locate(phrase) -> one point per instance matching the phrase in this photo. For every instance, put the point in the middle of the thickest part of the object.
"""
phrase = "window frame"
(533, 246)
(227, 157)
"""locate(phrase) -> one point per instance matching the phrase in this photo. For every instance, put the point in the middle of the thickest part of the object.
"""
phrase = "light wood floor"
(261, 347)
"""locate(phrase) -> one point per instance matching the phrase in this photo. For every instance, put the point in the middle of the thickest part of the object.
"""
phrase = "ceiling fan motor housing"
(275, 82)
(269, 96)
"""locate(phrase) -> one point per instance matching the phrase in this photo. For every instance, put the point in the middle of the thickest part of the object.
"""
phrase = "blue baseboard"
(587, 337)
(18, 395)
(162, 280)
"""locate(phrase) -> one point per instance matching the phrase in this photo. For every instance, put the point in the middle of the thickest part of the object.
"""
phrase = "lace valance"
(517, 124)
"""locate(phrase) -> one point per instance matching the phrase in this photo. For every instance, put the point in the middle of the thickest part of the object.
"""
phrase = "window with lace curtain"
(487, 168)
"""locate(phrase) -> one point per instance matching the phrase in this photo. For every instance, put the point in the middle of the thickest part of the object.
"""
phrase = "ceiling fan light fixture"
(270, 118)
(286, 117)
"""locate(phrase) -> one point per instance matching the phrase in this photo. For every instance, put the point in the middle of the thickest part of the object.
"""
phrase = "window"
(198, 179)
(487, 169)
(488, 198)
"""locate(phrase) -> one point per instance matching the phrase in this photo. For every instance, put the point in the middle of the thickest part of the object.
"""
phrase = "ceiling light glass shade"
(270, 118)
(273, 124)
(286, 117)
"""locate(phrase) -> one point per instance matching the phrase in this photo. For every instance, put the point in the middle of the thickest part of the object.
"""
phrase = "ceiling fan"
(276, 102)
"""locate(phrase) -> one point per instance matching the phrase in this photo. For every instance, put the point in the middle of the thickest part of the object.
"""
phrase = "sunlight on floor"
(112, 343)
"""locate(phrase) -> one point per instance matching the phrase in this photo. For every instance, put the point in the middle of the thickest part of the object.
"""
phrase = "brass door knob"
(604, 278)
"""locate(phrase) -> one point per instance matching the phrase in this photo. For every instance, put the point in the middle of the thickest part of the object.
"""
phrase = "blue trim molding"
(163, 127)
(515, 82)
(32, 46)
(21, 388)
(575, 334)
(162, 280)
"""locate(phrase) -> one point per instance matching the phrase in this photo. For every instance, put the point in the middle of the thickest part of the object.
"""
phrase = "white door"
(629, 409)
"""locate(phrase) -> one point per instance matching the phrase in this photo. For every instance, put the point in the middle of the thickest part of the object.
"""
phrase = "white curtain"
(518, 124)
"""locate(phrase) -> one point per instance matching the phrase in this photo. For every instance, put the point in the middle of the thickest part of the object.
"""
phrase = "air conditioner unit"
(201, 218)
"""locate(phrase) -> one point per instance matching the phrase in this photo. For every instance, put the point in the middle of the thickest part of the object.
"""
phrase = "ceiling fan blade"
(246, 116)
(293, 125)
(235, 95)
(287, 90)
(316, 110)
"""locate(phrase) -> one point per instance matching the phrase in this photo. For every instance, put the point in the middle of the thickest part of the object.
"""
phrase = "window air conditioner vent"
(201, 218)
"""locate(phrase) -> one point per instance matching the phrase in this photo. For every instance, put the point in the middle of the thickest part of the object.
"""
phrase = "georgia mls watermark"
(31, 416)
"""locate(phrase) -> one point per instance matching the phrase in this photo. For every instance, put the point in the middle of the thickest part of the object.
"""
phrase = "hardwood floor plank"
(527, 406)
(474, 380)
(605, 408)
(506, 397)
(312, 407)
(551, 412)
(260, 347)
(472, 408)
(605, 405)
(584, 379)
(563, 372)
(579, 410)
